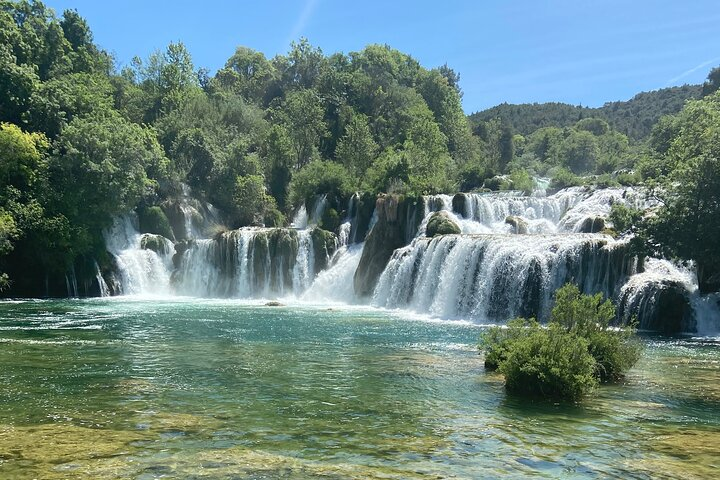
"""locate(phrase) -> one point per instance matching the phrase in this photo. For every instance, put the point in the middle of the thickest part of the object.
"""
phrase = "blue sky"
(579, 52)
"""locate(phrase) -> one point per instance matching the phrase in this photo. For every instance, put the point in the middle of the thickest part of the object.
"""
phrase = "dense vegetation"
(82, 141)
(634, 118)
(569, 357)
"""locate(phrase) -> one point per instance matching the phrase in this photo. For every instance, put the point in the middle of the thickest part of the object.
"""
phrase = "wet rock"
(274, 304)
(460, 204)
(518, 225)
(156, 243)
(592, 225)
(324, 245)
(397, 223)
(441, 223)
(708, 277)
(663, 306)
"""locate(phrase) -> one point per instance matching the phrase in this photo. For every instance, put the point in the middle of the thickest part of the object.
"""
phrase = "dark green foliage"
(686, 172)
(567, 358)
(586, 316)
(330, 220)
(153, 220)
(563, 178)
(550, 363)
(634, 118)
(624, 218)
(520, 180)
(321, 177)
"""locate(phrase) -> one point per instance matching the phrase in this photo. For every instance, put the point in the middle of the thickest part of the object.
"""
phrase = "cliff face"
(397, 222)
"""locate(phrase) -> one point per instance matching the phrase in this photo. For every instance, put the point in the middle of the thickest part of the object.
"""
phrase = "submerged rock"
(441, 223)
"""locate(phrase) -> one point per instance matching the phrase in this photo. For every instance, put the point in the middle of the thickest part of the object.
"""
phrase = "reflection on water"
(217, 389)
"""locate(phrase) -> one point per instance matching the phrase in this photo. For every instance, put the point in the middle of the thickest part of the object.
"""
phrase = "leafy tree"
(320, 177)
(302, 116)
(21, 156)
(102, 161)
(246, 73)
(712, 84)
(357, 149)
(690, 191)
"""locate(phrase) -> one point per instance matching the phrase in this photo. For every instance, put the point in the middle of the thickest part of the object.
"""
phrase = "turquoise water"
(218, 389)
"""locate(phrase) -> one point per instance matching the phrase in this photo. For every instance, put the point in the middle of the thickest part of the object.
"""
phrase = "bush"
(321, 177)
(497, 341)
(549, 362)
(563, 178)
(521, 180)
(624, 218)
(577, 350)
(588, 317)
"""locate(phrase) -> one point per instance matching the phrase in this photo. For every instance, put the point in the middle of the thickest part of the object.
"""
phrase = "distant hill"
(634, 117)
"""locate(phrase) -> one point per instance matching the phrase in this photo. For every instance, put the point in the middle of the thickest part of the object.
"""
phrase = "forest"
(82, 141)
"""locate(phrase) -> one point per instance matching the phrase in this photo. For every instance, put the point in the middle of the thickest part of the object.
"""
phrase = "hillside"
(634, 117)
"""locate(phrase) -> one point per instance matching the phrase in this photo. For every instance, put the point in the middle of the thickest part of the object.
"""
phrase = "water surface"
(145, 389)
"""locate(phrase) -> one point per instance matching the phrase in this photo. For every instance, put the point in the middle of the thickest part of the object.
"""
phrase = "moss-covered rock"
(330, 220)
(518, 224)
(153, 220)
(324, 245)
(441, 223)
(156, 243)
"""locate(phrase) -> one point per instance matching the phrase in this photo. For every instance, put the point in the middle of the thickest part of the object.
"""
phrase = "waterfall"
(336, 283)
(102, 285)
(497, 277)
(513, 252)
(319, 209)
(303, 271)
(300, 220)
(667, 292)
(142, 270)
(71, 283)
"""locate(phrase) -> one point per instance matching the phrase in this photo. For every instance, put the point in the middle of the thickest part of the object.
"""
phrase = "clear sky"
(575, 51)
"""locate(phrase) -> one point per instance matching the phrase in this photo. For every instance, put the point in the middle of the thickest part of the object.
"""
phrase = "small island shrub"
(568, 358)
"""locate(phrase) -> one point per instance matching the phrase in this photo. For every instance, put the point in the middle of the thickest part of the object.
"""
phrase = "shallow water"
(156, 388)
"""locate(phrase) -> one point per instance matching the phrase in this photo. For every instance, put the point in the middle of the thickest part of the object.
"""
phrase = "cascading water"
(304, 270)
(142, 270)
(496, 277)
(513, 252)
(336, 283)
(102, 284)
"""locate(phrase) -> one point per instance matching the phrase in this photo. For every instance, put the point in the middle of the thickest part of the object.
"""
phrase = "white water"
(486, 274)
(304, 269)
(495, 277)
(336, 283)
(640, 294)
(141, 271)
(102, 285)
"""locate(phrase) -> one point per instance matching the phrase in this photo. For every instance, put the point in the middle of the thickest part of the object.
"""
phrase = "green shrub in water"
(569, 357)
(549, 362)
